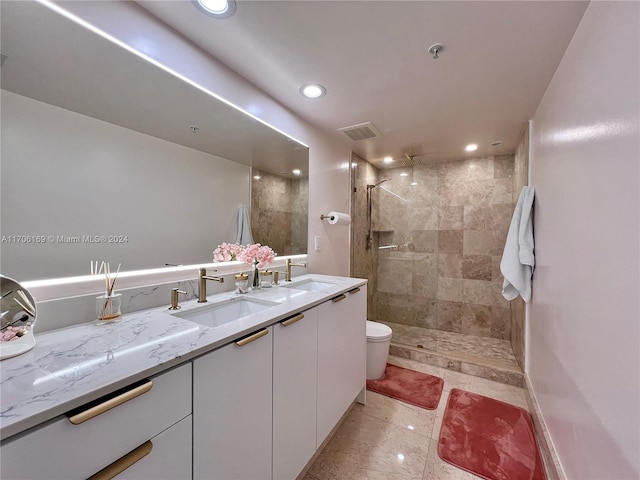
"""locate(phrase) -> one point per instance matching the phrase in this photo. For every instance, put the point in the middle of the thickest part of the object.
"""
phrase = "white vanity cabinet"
(261, 410)
(295, 365)
(79, 444)
(342, 356)
(257, 408)
(232, 410)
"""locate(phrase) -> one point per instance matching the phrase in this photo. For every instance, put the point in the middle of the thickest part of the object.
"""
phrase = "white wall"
(65, 175)
(329, 181)
(583, 329)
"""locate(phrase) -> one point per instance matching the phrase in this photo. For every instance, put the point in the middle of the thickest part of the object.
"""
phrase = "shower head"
(381, 181)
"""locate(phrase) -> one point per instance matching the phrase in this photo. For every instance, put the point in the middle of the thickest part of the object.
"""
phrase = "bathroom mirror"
(108, 157)
(17, 318)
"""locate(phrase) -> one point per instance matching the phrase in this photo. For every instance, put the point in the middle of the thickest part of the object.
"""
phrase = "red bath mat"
(488, 438)
(412, 387)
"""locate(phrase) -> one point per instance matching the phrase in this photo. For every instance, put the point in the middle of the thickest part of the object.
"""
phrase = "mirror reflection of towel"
(518, 259)
(243, 234)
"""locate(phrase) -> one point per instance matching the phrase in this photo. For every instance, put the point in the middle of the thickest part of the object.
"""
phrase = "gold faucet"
(288, 264)
(174, 298)
(202, 284)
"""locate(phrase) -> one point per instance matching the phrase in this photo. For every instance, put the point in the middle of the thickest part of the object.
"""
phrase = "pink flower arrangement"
(260, 255)
(227, 252)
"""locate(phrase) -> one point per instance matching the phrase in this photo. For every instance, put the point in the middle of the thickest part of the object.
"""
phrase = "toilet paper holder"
(337, 218)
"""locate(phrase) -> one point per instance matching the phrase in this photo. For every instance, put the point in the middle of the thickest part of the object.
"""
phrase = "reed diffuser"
(108, 306)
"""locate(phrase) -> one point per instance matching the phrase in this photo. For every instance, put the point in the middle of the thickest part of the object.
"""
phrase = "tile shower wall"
(279, 213)
(299, 215)
(450, 231)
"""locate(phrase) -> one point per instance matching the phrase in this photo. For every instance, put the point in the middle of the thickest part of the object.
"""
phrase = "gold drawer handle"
(338, 298)
(294, 319)
(120, 465)
(355, 290)
(96, 410)
(252, 338)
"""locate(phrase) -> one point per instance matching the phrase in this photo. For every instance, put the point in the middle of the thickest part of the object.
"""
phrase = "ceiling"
(373, 59)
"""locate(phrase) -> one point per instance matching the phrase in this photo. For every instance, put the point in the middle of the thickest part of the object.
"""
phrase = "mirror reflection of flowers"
(227, 252)
(260, 255)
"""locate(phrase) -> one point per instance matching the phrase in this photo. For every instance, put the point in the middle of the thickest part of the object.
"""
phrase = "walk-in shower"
(431, 253)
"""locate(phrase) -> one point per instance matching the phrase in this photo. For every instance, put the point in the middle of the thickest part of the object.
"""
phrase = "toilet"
(378, 340)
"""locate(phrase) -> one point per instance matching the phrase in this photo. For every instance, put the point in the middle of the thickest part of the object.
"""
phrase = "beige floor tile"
(333, 466)
(368, 474)
(368, 447)
(400, 414)
(375, 442)
(387, 448)
(442, 405)
(469, 346)
(417, 366)
(499, 391)
(437, 425)
(455, 380)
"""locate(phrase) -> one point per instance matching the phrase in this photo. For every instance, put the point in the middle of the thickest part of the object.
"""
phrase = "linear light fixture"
(92, 28)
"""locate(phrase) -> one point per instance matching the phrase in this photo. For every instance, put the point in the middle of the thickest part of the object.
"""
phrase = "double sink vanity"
(240, 387)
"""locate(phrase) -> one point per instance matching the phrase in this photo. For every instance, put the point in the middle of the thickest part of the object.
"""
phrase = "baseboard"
(547, 450)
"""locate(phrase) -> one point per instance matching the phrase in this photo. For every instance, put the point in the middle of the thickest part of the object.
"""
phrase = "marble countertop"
(72, 366)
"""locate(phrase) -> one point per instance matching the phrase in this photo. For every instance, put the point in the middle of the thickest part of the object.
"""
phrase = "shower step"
(465, 363)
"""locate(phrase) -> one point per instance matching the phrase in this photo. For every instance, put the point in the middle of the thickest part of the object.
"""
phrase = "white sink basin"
(220, 313)
(309, 285)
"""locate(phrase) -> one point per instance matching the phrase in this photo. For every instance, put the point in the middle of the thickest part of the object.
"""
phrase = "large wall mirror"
(108, 157)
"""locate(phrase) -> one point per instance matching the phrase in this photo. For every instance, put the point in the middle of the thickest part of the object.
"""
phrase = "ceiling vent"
(361, 131)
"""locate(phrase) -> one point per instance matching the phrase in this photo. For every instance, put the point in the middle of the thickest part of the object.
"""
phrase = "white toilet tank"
(378, 341)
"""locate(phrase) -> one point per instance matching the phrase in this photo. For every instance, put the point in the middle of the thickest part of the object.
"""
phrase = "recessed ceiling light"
(216, 8)
(296, 171)
(256, 177)
(472, 147)
(404, 174)
(388, 160)
(313, 90)
(413, 184)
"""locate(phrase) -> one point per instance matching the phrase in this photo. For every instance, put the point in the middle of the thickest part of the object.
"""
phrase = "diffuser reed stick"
(108, 311)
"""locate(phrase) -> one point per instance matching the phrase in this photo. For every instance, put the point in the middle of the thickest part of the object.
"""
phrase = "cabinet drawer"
(63, 450)
(169, 457)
